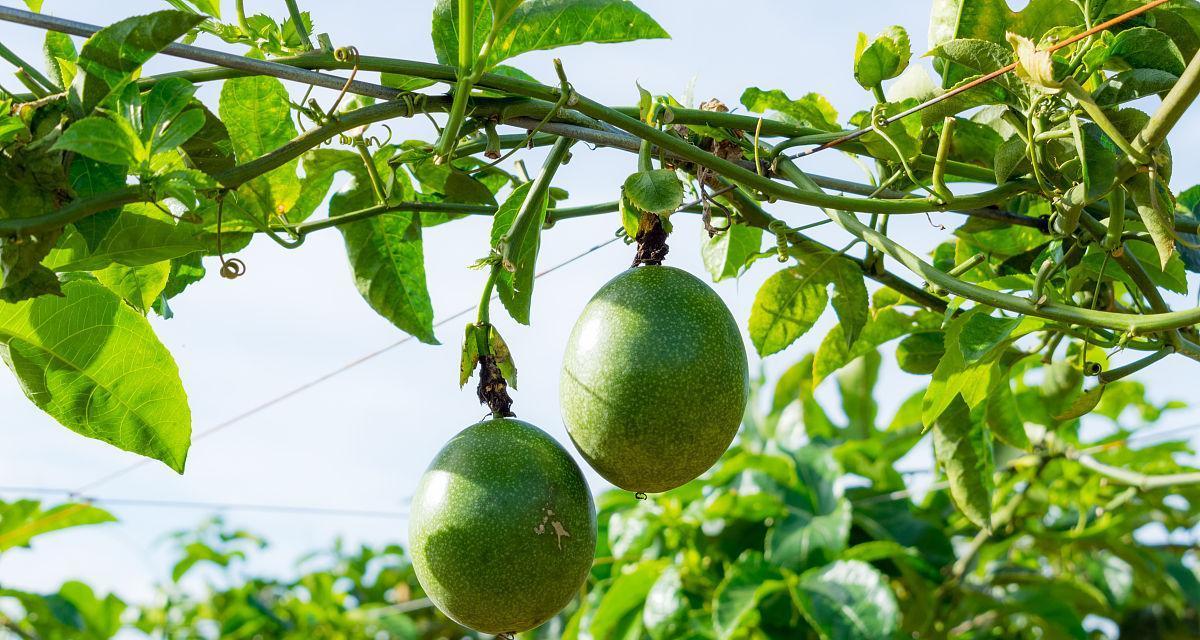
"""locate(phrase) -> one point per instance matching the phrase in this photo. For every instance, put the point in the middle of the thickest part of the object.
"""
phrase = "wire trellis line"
(295, 391)
(209, 506)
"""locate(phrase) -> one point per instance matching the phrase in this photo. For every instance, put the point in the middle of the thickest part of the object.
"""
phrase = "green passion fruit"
(655, 379)
(502, 529)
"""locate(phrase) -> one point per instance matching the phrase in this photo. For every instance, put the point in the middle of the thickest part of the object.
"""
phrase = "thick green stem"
(360, 145)
(483, 312)
(29, 69)
(1142, 481)
(1096, 113)
(1173, 106)
(524, 222)
(943, 154)
(1112, 375)
(466, 78)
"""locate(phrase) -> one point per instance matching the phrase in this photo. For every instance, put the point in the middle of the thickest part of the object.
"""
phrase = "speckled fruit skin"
(502, 529)
(654, 380)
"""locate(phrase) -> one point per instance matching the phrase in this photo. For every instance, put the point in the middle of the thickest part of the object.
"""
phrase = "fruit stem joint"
(651, 241)
(493, 388)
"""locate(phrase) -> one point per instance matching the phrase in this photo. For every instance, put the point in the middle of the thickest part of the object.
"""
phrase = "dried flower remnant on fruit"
(493, 388)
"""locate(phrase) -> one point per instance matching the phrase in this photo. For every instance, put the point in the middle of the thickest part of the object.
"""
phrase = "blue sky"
(361, 439)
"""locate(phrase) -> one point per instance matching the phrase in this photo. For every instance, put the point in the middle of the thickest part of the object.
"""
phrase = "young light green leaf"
(848, 599)
(731, 251)
(962, 447)
(23, 520)
(96, 366)
(658, 191)
(61, 58)
(139, 236)
(786, 306)
(811, 110)
(883, 58)
(543, 24)
(102, 140)
(257, 114)
(113, 54)
(140, 287)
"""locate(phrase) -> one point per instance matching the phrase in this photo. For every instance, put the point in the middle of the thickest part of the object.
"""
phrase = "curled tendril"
(1092, 368)
(641, 496)
(231, 268)
(781, 231)
(345, 54)
(374, 140)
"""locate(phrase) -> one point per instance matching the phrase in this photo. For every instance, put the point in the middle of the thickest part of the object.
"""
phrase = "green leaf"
(543, 24)
(992, 20)
(139, 236)
(387, 257)
(920, 353)
(515, 285)
(1003, 418)
(185, 271)
(1134, 84)
(812, 110)
(658, 191)
(23, 520)
(850, 299)
(804, 539)
(210, 150)
(786, 306)
(257, 114)
(1154, 208)
(885, 324)
(666, 610)
(1146, 48)
(730, 252)
(883, 58)
(848, 600)
(140, 287)
(962, 447)
(89, 178)
(1083, 405)
(96, 366)
(165, 100)
(735, 601)
(627, 594)
(181, 129)
(102, 140)
(110, 58)
(973, 341)
(404, 82)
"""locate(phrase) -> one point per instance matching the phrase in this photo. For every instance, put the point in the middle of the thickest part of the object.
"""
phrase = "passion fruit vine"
(503, 528)
(654, 380)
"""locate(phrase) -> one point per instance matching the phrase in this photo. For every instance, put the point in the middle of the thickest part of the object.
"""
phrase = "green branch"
(1137, 324)
(1142, 481)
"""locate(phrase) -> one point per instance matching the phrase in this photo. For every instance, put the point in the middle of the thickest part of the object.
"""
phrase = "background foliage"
(1029, 316)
